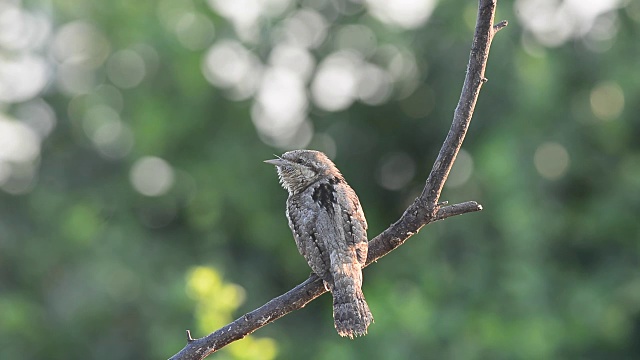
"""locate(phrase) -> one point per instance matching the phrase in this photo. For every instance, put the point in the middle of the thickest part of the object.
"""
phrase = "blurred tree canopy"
(134, 204)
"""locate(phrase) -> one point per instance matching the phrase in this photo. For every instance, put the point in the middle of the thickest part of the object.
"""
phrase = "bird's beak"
(276, 162)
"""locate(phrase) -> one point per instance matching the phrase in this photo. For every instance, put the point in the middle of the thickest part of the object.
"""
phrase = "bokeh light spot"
(126, 69)
(20, 29)
(195, 31)
(38, 115)
(603, 33)
(151, 176)
(334, 87)
(215, 298)
(230, 65)
(607, 101)
(98, 116)
(551, 160)
(396, 170)
(305, 28)
(461, 171)
(280, 108)
(170, 12)
(408, 14)
(240, 12)
(110, 96)
(554, 22)
(18, 142)
(80, 43)
(22, 77)
(245, 14)
(113, 140)
(402, 66)
(111, 137)
(22, 179)
(201, 280)
(375, 85)
(279, 112)
(282, 96)
(293, 58)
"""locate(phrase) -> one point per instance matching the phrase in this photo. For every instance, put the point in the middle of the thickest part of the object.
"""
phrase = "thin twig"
(424, 210)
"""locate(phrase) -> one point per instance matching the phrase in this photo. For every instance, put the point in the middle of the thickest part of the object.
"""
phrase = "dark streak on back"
(325, 196)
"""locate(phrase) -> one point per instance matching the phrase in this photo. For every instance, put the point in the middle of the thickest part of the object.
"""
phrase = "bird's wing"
(353, 221)
(303, 214)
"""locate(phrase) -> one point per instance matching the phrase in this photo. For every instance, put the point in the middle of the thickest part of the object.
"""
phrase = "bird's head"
(298, 169)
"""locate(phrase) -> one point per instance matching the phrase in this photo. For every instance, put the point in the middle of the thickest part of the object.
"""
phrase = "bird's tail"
(351, 314)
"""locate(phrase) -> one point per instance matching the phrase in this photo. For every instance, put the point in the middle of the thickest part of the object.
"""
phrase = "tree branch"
(424, 210)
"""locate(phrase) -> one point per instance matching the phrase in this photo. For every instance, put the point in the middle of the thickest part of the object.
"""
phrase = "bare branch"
(462, 116)
(457, 209)
(424, 210)
(499, 26)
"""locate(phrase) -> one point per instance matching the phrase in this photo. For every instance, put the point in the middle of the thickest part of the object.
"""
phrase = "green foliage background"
(92, 269)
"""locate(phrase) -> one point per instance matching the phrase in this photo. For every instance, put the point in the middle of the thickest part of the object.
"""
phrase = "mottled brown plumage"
(330, 231)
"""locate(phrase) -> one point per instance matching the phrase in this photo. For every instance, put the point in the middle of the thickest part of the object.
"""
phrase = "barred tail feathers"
(351, 313)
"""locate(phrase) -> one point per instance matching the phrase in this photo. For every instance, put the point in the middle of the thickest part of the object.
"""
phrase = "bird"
(330, 231)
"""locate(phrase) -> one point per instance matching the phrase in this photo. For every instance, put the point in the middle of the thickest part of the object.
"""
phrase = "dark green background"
(92, 269)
